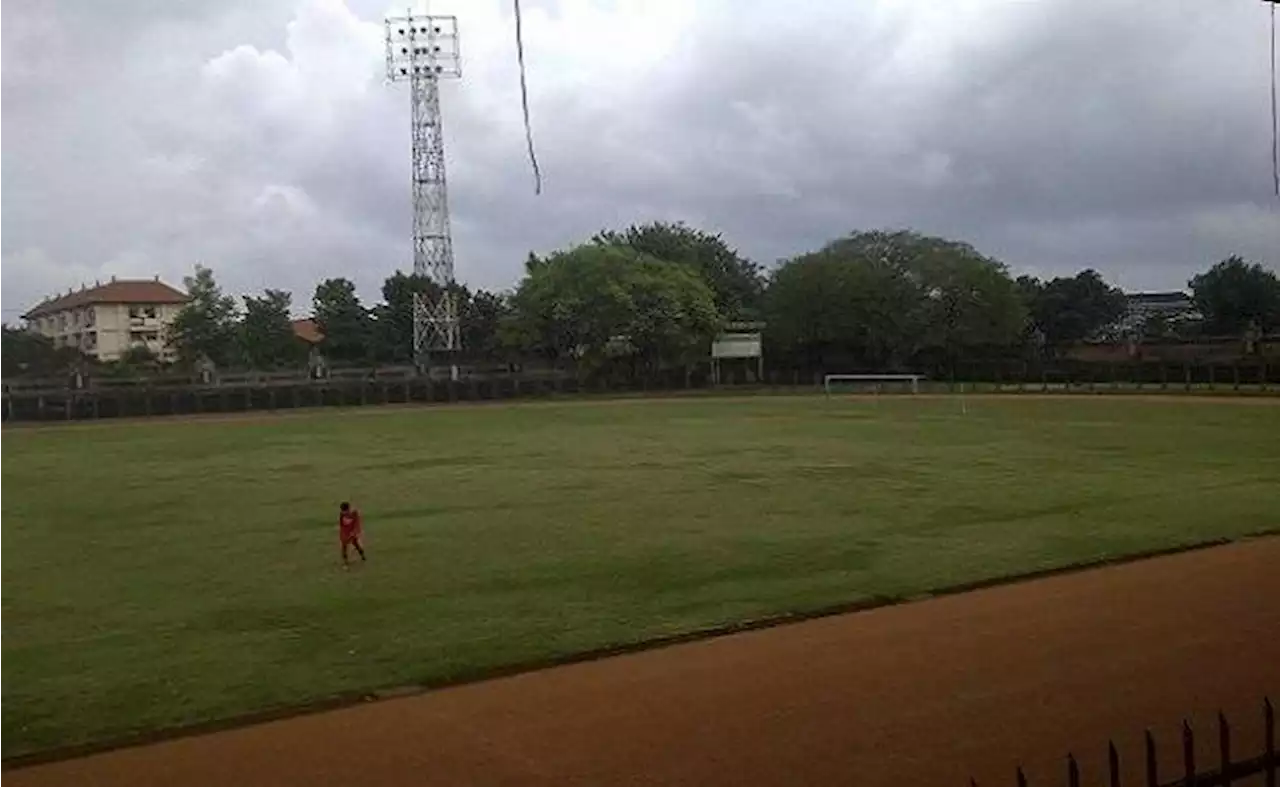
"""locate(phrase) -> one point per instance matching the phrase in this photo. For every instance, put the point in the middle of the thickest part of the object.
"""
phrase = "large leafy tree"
(1066, 310)
(883, 297)
(29, 354)
(828, 303)
(205, 328)
(599, 299)
(970, 303)
(343, 321)
(736, 283)
(266, 333)
(393, 318)
(479, 314)
(1235, 296)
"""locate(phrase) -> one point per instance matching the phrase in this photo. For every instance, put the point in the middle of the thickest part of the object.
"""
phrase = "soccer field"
(161, 573)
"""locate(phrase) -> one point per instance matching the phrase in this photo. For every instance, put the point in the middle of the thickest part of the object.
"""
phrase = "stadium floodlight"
(422, 49)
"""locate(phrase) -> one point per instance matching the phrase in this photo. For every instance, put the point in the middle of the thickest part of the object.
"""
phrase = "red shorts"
(348, 536)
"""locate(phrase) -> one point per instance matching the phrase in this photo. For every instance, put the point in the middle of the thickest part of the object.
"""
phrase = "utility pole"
(1275, 124)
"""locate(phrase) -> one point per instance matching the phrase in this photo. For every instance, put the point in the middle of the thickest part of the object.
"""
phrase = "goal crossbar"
(913, 379)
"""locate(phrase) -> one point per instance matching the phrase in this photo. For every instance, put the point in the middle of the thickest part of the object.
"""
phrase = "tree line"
(654, 296)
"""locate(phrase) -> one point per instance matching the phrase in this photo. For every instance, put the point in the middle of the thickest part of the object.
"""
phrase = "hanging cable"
(524, 102)
(1275, 129)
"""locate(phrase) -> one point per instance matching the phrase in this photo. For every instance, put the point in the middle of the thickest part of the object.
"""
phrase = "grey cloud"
(259, 138)
(1081, 134)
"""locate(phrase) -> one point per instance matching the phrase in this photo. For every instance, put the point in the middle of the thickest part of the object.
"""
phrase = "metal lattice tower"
(423, 49)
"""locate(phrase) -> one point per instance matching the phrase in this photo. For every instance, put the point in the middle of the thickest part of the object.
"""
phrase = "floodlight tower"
(422, 49)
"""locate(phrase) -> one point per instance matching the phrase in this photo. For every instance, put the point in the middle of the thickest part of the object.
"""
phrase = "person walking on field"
(350, 531)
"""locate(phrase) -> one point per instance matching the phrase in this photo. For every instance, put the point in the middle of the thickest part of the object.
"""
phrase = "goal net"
(871, 383)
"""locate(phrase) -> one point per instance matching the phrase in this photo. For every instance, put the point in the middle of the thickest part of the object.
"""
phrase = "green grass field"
(160, 573)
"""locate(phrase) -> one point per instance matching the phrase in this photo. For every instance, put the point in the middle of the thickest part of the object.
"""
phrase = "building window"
(91, 341)
(62, 321)
(90, 317)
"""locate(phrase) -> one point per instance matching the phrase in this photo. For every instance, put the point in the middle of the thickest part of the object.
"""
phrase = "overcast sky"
(258, 137)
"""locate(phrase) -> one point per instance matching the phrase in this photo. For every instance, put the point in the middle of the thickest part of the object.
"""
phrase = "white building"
(105, 320)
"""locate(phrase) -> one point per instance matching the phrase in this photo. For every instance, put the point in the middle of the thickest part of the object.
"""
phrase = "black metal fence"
(114, 399)
(1225, 772)
(90, 399)
(1147, 375)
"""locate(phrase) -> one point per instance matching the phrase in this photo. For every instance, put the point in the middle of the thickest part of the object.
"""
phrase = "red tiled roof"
(307, 330)
(147, 291)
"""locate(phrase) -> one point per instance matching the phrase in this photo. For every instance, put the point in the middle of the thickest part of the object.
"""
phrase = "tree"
(205, 327)
(342, 321)
(393, 318)
(1066, 310)
(825, 304)
(735, 282)
(29, 354)
(970, 303)
(1235, 296)
(879, 299)
(134, 361)
(480, 319)
(266, 335)
(599, 300)
(139, 356)
(1158, 326)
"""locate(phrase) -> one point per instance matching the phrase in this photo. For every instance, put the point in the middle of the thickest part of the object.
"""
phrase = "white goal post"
(911, 379)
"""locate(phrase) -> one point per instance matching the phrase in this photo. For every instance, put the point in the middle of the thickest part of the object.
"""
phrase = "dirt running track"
(920, 694)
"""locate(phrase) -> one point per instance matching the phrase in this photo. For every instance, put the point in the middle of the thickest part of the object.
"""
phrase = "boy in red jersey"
(350, 529)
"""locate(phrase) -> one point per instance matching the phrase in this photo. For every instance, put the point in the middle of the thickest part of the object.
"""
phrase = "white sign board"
(736, 345)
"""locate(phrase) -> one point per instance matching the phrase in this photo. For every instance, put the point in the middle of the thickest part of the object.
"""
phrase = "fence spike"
(1153, 777)
(1224, 748)
(1269, 723)
(1188, 754)
(1113, 764)
(1266, 764)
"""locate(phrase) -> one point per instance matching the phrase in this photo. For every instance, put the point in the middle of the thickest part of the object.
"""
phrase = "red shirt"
(349, 521)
